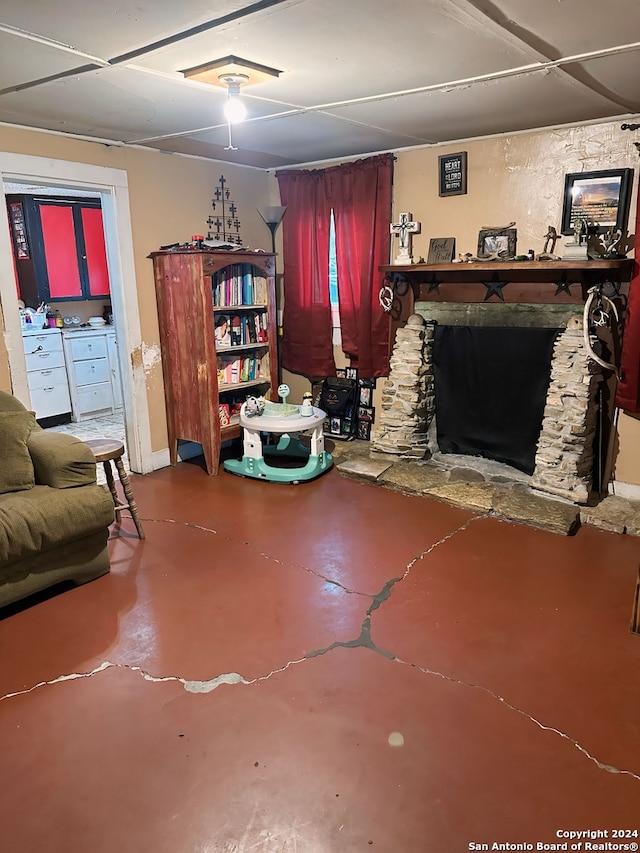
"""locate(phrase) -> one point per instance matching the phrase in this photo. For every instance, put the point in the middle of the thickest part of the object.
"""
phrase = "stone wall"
(564, 457)
(408, 398)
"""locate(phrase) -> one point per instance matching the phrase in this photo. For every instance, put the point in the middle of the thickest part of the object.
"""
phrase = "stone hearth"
(564, 455)
(488, 489)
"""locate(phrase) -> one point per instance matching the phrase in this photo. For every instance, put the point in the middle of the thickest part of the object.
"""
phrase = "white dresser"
(93, 370)
(46, 373)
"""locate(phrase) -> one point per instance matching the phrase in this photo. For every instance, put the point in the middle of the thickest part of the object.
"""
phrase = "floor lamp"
(272, 217)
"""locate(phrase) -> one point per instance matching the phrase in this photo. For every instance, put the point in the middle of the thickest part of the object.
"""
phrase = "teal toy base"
(259, 469)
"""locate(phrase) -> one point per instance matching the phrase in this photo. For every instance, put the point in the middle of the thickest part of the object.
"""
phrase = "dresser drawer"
(43, 359)
(49, 401)
(94, 398)
(84, 347)
(50, 342)
(52, 377)
(90, 372)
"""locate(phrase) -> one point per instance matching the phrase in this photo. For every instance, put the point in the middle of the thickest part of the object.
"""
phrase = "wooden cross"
(404, 228)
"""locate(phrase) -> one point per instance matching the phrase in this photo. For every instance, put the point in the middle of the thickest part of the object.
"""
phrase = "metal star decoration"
(434, 284)
(563, 286)
(494, 287)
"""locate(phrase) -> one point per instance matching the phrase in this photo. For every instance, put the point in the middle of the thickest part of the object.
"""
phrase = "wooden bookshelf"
(189, 286)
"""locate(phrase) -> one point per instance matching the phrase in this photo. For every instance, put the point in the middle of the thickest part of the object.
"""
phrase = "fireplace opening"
(491, 385)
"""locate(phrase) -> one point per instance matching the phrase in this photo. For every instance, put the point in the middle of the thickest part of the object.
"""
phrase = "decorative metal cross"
(225, 224)
(404, 228)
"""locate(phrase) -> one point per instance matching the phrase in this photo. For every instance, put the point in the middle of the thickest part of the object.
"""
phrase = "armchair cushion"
(61, 461)
(16, 467)
(36, 521)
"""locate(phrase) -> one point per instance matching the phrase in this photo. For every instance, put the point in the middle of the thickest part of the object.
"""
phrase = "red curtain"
(360, 195)
(628, 393)
(306, 342)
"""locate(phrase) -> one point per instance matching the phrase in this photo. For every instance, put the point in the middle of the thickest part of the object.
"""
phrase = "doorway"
(111, 186)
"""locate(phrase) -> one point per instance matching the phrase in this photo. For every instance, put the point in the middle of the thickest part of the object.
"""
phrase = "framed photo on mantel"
(452, 174)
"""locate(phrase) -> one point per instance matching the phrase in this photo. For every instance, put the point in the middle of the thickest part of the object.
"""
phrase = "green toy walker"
(287, 421)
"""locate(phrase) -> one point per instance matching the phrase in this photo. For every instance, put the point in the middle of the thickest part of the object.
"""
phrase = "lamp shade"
(272, 215)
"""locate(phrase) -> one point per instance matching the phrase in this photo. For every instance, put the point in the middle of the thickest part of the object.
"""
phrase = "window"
(333, 285)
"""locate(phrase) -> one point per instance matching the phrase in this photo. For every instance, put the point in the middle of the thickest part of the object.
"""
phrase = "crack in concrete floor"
(364, 640)
(260, 553)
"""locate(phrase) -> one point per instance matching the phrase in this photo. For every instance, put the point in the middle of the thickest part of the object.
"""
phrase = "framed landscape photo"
(601, 198)
(497, 240)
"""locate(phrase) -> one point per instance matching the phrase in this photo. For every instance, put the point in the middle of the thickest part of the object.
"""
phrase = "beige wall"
(512, 178)
(516, 178)
(170, 198)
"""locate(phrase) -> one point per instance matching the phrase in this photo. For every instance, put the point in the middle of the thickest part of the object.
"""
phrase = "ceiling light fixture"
(232, 72)
(234, 109)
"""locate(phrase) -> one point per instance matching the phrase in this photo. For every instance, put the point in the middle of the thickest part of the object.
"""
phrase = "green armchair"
(54, 518)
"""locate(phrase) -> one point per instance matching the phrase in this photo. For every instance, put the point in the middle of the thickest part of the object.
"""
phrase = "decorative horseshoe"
(592, 293)
(386, 298)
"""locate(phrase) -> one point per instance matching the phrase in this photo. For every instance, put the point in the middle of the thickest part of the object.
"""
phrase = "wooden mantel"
(501, 282)
(506, 281)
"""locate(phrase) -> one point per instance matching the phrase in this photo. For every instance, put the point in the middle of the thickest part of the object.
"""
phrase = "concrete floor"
(326, 667)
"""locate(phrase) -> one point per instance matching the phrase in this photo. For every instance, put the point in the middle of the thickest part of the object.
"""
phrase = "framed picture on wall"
(364, 430)
(452, 174)
(335, 426)
(365, 395)
(366, 414)
(16, 212)
(597, 198)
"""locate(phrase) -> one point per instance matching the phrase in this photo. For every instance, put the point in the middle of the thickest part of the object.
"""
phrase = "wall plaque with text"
(441, 250)
(453, 174)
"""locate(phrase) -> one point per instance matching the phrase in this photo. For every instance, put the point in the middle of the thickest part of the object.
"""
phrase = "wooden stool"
(104, 450)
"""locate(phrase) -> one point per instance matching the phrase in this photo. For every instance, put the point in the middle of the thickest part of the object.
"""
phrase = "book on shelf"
(222, 330)
(239, 284)
(235, 369)
(236, 330)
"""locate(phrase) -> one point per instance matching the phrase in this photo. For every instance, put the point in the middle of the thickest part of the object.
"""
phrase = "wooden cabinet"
(46, 373)
(89, 368)
(203, 377)
(59, 248)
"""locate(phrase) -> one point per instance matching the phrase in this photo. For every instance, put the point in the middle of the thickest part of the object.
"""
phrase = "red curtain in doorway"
(360, 195)
(628, 394)
(306, 343)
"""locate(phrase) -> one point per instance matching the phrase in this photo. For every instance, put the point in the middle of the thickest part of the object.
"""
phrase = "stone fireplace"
(576, 415)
